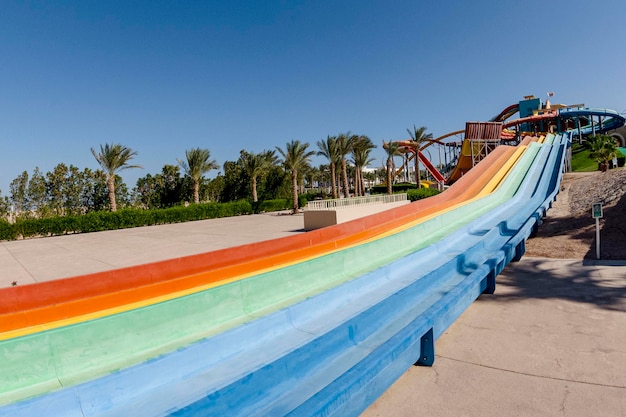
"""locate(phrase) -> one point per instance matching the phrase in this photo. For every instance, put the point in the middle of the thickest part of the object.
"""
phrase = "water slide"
(545, 116)
(464, 164)
(506, 113)
(474, 146)
(318, 323)
(608, 119)
(431, 168)
(408, 146)
(466, 160)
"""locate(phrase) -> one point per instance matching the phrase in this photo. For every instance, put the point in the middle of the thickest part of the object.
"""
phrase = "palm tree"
(113, 158)
(324, 178)
(256, 165)
(343, 148)
(270, 157)
(392, 149)
(418, 137)
(197, 164)
(330, 151)
(361, 159)
(370, 176)
(380, 175)
(361, 148)
(296, 157)
(313, 176)
(602, 148)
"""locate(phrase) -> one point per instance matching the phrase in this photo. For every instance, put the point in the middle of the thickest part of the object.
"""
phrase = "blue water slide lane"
(334, 353)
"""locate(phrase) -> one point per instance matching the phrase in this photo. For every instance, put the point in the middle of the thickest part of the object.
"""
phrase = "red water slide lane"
(506, 113)
(431, 168)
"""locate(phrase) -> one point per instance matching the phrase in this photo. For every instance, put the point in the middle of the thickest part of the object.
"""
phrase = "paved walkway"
(35, 260)
(550, 342)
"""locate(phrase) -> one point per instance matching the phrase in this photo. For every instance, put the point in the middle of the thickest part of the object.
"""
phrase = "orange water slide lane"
(36, 304)
(550, 114)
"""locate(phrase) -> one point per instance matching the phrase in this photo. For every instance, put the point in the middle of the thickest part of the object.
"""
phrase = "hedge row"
(420, 193)
(126, 218)
(401, 187)
(413, 193)
(272, 205)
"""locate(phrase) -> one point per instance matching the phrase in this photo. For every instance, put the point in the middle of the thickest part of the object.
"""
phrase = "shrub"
(92, 222)
(314, 195)
(273, 205)
(7, 231)
(421, 193)
(302, 201)
(404, 187)
(129, 217)
(602, 149)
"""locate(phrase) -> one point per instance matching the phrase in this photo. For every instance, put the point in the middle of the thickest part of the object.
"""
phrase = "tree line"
(270, 174)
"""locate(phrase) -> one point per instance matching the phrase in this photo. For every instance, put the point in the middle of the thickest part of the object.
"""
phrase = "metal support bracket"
(427, 349)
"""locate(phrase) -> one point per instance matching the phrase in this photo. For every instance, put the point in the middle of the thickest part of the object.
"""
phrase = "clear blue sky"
(164, 76)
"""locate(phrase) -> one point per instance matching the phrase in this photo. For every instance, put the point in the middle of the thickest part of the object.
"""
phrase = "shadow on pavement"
(601, 285)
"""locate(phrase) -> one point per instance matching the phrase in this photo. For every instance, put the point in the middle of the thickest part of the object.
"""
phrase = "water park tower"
(529, 105)
(527, 108)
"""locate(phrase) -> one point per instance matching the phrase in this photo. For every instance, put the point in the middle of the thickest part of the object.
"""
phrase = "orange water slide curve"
(39, 303)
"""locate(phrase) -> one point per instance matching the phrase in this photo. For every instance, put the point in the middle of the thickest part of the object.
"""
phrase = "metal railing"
(339, 203)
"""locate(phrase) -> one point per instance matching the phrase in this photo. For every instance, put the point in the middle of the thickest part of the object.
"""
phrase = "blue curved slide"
(610, 119)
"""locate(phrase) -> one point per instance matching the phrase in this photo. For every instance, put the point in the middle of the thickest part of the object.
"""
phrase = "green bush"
(7, 231)
(31, 227)
(396, 188)
(274, 205)
(414, 195)
(310, 196)
(302, 201)
(130, 217)
(404, 187)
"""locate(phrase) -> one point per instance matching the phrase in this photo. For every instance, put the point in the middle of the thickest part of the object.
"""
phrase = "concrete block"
(316, 219)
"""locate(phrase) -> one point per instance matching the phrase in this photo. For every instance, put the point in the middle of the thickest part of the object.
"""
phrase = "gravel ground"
(568, 230)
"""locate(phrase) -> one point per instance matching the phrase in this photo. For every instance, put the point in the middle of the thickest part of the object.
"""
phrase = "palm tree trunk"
(418, 179)
(255, 197)
(294, 190)
(111, 188)
(389, 177)
(196, 192)
(333, 180)
(362, 182)
(344, 174)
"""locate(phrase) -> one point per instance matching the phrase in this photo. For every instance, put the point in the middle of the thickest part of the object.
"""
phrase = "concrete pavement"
(550, 342)
(36, 260)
